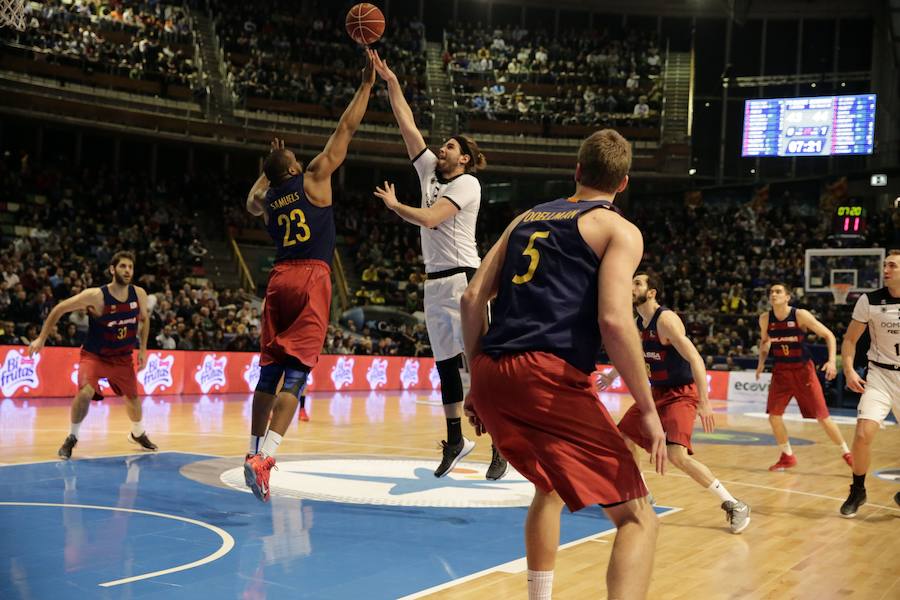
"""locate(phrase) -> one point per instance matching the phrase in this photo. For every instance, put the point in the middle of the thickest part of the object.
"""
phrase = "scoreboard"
(817, 126)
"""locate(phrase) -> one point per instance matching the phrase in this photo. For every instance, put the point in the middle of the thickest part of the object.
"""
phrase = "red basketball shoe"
(304, 416)
(848, 458)
(785, 462)
(256, 473)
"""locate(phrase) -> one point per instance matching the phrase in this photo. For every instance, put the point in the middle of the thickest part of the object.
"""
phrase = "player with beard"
(674, 366)
(115, 312)
(451, 197)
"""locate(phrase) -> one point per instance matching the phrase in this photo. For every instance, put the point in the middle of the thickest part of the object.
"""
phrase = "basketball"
(365, 23)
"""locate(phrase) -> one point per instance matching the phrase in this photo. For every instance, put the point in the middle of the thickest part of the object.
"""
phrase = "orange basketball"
(365, 23)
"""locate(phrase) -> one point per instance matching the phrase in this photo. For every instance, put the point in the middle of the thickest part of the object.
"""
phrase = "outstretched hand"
(277, 144)
(368, 72)
(380, 65)
(388, 195)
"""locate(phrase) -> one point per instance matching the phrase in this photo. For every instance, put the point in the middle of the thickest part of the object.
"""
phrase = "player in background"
(783, 331)
(675, 367)
(117, 315)
(880, 312)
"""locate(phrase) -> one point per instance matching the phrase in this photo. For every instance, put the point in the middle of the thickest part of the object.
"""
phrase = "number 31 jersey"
(299, 229)
(547, 298)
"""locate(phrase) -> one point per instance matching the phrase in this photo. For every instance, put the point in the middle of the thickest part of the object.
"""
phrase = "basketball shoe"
(304, 416)
(452, 455)
(848, 458)
(785, 462)
(737, 514)
(143, 441)
(499, 466)
(856, 499)
(65, 451)
(257, 469)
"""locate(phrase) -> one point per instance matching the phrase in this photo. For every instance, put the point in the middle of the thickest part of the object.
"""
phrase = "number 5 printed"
(531, 252)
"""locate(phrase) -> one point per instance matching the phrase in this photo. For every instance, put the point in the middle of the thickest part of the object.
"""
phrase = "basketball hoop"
(840, 291)
(12, 14)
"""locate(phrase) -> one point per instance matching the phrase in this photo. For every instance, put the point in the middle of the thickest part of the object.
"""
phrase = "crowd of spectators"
(718, 259)
(587, 78)
(71, 221)
(157, 43)
(309, 58)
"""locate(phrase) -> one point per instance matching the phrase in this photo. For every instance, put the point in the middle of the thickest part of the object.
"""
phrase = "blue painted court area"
(126, 517)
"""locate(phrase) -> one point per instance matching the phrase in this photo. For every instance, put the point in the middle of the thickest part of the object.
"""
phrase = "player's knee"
(294, 381)
(85, 393)
(677, 455)
(451, 382)
(269, 376)
(863, 435)
(644, 517)
(775, 419)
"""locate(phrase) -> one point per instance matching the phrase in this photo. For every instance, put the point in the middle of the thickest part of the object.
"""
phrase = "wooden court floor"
(797, 546)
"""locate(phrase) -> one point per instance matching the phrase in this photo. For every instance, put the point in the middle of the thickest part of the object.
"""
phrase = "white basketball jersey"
(452, 243)
(881, 312)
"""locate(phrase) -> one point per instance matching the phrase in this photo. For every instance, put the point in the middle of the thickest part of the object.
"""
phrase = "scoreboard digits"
(819, 126)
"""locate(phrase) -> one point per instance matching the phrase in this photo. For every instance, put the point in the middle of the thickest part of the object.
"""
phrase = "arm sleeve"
(425, 163)
(861, 310)
(463, 191)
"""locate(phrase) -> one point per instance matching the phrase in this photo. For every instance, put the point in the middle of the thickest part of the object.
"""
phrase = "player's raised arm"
(327, 162)
(413, 139)
(428, 217)
(257, 195)
(89, 297)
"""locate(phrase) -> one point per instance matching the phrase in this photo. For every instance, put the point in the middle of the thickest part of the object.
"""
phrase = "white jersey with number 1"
(881, 312)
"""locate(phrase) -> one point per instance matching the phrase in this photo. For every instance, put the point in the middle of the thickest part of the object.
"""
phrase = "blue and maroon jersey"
(299, 229)
(788, 340)
(665, 366)
(114, 333)
(547, 300)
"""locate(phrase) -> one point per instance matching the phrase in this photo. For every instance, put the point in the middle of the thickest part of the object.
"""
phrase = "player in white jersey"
(880, 312)
(448, 212)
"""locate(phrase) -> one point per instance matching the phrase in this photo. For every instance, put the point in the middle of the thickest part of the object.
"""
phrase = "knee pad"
(451, 382)
(295, 381)
(269, 376)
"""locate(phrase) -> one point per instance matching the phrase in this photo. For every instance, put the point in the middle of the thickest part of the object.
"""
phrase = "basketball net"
(840, 291)
(12, 14)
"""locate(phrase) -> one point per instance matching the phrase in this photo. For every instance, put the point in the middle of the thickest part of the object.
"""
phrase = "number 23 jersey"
(300, 230)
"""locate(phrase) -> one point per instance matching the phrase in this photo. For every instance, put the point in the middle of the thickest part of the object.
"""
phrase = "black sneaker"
(452, 455)
(143, 441)
(499, 466)
(856, 499)
(65, 451)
